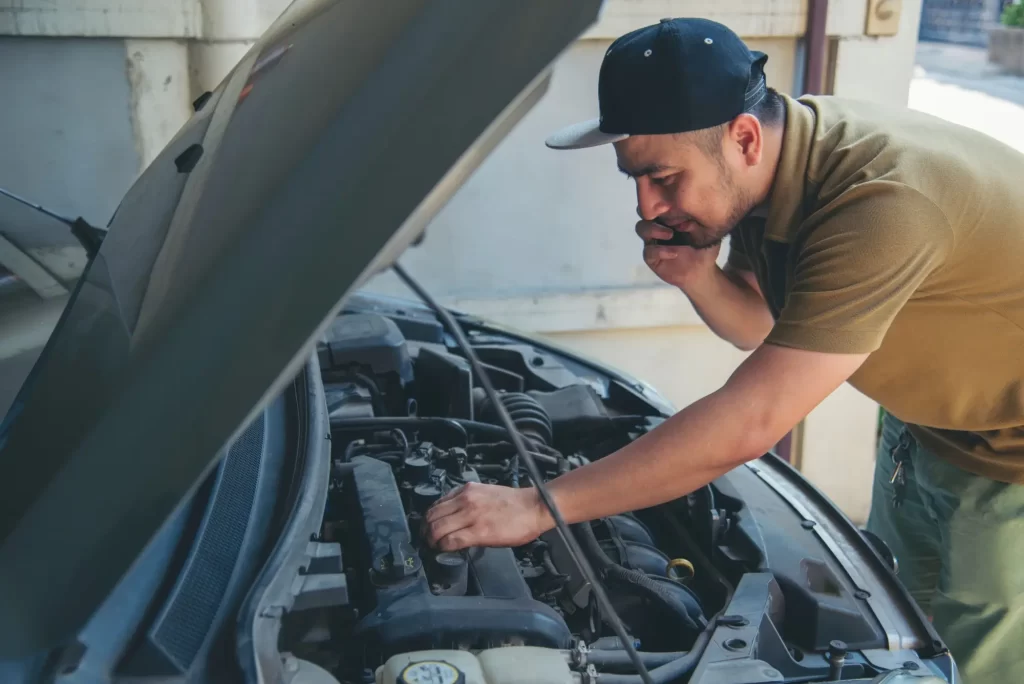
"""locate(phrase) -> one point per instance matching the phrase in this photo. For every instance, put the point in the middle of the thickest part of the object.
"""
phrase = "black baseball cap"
(675, 76)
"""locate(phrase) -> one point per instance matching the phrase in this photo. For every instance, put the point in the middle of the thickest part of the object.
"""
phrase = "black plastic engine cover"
(496, 608)
(370, 350)
(367, 340)
(539, 370)
(445, 384)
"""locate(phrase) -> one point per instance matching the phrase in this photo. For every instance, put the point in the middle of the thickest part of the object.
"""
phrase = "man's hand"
(486, 515)
(677, 265)
(731, 305)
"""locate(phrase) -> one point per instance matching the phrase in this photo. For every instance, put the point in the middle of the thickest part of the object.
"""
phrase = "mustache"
(672, 221)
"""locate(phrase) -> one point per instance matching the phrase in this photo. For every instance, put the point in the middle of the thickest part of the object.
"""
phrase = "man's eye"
(662, 180)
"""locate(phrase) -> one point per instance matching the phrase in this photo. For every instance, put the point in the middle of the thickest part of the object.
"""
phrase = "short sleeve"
(859, 260)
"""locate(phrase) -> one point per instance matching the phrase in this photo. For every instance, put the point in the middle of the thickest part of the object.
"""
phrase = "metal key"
(898, 473)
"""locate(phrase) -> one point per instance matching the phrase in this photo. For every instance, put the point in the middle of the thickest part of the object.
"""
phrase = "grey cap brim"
(581, 135)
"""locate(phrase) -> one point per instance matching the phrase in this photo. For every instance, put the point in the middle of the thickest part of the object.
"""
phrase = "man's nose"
(650, 204)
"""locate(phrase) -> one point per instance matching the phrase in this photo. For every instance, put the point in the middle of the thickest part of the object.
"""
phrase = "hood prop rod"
(88, 235)
(538, 479)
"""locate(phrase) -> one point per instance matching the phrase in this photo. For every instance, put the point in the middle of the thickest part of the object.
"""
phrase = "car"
(218, 466)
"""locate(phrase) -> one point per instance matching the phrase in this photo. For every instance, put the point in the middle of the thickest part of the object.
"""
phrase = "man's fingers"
(655, 253)
(449, 524)
(451, 494)
(443, 508)
(652, 231)
(456, 541)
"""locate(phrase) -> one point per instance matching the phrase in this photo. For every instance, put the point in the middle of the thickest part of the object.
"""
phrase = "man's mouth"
(684, 224)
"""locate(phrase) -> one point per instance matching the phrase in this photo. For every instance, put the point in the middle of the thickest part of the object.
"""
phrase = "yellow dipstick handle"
(679, 563)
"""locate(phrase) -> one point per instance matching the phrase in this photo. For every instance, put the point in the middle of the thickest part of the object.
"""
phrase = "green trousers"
(959, 542)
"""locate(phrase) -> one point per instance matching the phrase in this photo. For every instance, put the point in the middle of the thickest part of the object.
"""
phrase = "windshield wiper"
(88, 235)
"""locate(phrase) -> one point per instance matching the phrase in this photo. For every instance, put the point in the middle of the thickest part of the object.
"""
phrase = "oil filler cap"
(431, 672)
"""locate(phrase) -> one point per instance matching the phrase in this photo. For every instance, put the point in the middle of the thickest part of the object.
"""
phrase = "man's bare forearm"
(769, 393)
(731, 308)
(686, 452)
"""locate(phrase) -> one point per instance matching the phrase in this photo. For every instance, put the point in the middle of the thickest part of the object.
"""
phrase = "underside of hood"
(314, 164)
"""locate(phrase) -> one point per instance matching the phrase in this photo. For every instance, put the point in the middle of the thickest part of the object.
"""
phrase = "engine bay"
(409, 423)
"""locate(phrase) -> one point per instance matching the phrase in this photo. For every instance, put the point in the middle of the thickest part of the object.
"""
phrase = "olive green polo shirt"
(896, 233)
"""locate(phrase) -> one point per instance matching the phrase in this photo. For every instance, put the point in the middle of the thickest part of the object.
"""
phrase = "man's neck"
(770, 156)
(773, 136)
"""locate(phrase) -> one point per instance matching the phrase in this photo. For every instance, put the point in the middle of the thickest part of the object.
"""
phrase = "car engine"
(409, 423)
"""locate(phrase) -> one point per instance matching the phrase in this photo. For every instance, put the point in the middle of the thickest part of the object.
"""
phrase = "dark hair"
(770, 110)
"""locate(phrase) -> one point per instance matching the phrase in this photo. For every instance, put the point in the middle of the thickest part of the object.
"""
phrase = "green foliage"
(1013, 15)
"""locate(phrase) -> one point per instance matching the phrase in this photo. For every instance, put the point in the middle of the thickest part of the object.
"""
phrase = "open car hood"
(314, 165)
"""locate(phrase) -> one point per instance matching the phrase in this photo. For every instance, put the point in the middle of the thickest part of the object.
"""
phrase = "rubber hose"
(454, 426)
(666, 594)
(460, 426)
(683, 666)
(490, 469)
(549, 565)
(376, 398)
(621, 659)
(499, 447)
(527, 414)
(668, 672)
(642, 583)
(400, 437)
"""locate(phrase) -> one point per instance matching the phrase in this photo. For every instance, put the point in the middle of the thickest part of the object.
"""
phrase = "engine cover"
(413, 611)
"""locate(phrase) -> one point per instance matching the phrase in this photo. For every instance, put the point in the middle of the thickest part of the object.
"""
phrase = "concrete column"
(158, 78)
(166, 75)
(229, 29)
(210, 62)
(237, 20)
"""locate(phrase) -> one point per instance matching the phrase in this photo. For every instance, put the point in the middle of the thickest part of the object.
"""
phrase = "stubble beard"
(709, 237)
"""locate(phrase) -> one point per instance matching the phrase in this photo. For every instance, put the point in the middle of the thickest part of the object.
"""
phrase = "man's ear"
(746, 134)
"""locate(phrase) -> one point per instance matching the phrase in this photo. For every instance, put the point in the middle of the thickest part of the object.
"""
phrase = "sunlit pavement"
(958, 84)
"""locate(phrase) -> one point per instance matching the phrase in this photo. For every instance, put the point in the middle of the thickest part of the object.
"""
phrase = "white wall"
(539, 239)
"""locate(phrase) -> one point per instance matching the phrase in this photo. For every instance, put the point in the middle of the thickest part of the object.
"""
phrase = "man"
(871, 245)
